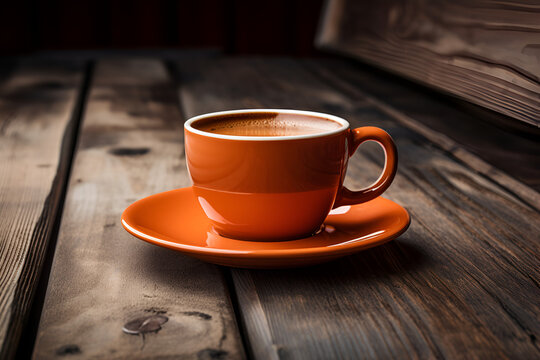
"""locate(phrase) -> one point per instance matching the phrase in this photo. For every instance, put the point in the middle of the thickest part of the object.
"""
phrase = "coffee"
(266, 124)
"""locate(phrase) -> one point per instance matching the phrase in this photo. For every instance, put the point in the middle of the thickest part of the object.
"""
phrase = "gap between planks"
(69, 145)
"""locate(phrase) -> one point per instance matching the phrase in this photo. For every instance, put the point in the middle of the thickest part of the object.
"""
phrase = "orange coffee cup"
(272, 188)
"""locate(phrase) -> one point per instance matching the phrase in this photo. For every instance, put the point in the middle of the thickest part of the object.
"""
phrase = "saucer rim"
(287, 253)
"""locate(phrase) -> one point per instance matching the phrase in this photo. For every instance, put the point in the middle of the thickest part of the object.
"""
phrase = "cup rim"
(344, 125)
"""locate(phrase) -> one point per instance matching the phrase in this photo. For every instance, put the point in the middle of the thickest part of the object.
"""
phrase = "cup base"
(263, 239)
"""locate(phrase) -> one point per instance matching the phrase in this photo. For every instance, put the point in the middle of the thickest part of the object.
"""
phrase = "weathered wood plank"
(462, 282)
(483, 51)
(131, 146)
(37, 100)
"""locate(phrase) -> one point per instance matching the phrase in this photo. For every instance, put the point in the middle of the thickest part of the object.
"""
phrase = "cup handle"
(357, 137)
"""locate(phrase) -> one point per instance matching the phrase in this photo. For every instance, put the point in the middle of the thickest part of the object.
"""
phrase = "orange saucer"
(174, 219)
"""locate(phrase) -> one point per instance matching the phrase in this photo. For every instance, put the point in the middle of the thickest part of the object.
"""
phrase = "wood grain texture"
(462, 282)
(486, 52)
(103, 279)
(37, 100)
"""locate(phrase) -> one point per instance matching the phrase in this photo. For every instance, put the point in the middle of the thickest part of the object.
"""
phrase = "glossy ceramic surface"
(280, 187)
(174, 219)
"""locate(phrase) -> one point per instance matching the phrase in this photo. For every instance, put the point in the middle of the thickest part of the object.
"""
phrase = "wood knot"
(212, 354)
(70, 349)
(145, 324)
(198, 314)
(122, 151)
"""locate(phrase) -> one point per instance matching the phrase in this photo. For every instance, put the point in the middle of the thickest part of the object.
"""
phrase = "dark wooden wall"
(235, 26)
(484, 51)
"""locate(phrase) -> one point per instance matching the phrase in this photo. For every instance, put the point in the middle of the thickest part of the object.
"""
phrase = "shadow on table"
(167, 267)
(391, 259)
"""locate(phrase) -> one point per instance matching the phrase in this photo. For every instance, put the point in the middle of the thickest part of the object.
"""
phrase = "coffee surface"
(266, 124)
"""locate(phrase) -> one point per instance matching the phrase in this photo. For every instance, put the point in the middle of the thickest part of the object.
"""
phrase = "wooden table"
(81, 139)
